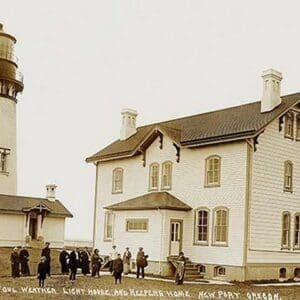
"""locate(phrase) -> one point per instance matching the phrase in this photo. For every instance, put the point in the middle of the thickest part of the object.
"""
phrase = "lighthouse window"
(3, 161)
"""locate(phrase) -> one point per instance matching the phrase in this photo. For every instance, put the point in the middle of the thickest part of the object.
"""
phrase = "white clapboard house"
(23, 220)
(222, 186)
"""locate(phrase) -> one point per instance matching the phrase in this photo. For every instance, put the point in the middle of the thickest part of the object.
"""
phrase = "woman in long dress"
(96, 261)
(126, 261)
(179, 274)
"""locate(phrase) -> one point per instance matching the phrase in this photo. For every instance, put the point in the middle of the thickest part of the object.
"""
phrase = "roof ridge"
(209, 112)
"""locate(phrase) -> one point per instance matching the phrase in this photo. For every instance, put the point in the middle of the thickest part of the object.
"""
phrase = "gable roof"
(238, 122)
(15, 204)
(155, 200)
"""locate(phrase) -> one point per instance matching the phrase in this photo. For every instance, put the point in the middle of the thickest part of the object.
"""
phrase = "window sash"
(297, 232)
(202, 226)
(213, 171)
(117, 180)
(286, 224)
(221, 226)
(108, 226)
(166, 175)
(3, 162)
(288, 175)
(154, 173)
(289, 126)
(137, 225)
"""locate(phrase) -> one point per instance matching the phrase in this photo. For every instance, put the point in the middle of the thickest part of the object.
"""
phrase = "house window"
(117, 182)
(286, 224)
(213, 167)
(154, 173)
(219, 271)
(202, 269)
(297, 232)
(298, 128)
(3, 160)
(282, 273)
(201, 226)
(289, 126)
(288, 176)
(221, 226)
(108, 226)
(166, 175)
(137, 225)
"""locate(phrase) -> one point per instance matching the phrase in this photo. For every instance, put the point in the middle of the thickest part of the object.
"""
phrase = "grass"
(131, 288)
(91, 288)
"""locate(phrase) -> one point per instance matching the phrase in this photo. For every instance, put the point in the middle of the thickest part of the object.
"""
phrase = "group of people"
(71, 262)
(117, 265)
(20, 263)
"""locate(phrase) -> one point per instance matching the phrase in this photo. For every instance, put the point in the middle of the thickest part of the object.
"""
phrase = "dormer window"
(166, 177)
(289, 126)
(153, 177)
(3, 160)
(117, 181)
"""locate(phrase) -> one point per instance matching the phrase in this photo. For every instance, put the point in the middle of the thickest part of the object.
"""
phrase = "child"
(118, 268)
(42, 271)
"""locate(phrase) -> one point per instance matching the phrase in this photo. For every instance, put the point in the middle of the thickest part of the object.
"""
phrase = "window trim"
(296, 247)
(285, 187)
(113, 189)
(199, 269)
(150, 188)
(288, 246)
(169, 187)
(289, 116)
(214, 242)
(196, 218)
(215, 184)
(217, 269)
(137, 230)
(4, 153)
(298, 127)
(106, 216)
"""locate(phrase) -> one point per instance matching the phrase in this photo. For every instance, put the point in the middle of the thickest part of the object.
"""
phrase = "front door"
(176, 237)
(33, 228)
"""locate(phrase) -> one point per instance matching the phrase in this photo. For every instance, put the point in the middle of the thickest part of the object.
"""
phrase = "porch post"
(39, 227)
(27, 223)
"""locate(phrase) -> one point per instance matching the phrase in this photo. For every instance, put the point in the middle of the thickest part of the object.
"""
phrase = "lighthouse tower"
(11, 83)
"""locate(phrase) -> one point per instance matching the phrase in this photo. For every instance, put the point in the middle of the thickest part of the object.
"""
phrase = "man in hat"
(63, 259)
(140, 263)
(46, 253)
(15, 263)
(126, 260)
(24, 258)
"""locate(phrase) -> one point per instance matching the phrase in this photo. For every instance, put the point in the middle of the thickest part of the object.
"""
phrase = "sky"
(84, 61)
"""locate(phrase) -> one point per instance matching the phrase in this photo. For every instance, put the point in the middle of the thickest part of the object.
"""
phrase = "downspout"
(250, 149)
(95, 206)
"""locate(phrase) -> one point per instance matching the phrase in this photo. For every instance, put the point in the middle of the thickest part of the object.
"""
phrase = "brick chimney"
(51, 192)
(271, 90)
(128, 127)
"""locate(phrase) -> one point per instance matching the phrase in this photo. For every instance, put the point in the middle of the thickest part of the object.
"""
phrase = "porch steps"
(191, 269)
(36, 244)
